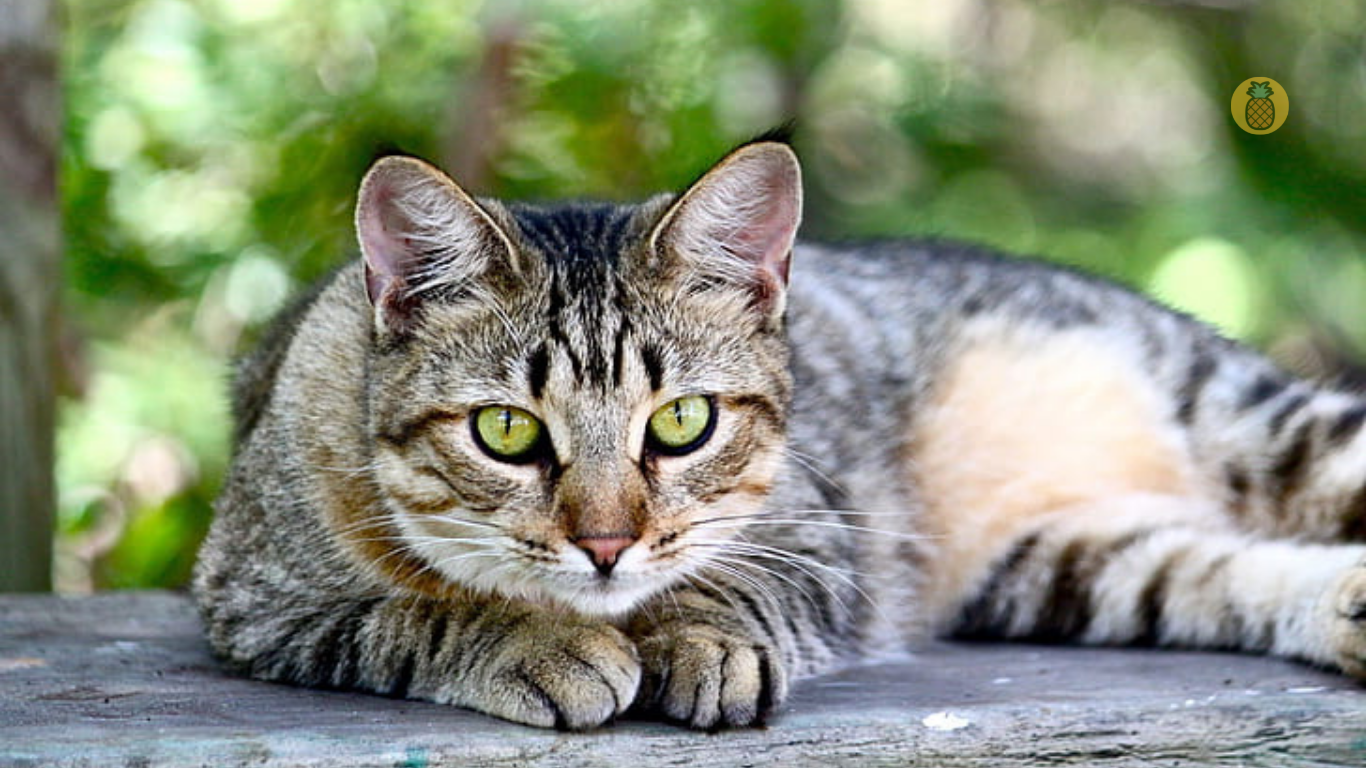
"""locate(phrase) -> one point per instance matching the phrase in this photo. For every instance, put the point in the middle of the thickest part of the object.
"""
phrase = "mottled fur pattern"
(913, 437)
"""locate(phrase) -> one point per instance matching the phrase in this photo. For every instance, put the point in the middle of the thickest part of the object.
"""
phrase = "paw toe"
(709, 680)
(1349, 623)
(571, 682)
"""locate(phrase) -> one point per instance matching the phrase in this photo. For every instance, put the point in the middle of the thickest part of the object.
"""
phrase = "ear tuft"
(738, 223)
(419, 231)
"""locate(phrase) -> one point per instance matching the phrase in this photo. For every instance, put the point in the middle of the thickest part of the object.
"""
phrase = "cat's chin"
(604, 599)
(610, 603)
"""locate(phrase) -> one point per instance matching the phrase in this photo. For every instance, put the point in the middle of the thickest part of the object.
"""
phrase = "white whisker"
(717, 588)
(803, 563)
(746, 556)
(809, 462)
(733, 566)
(751, 547)
(797, 522)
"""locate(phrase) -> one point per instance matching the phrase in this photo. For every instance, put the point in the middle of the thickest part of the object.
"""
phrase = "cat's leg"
(499, 657)
(722, 650)
(1144, 571)
(518, 662)
(707, 664)
(1089, 498)
(1290, 457)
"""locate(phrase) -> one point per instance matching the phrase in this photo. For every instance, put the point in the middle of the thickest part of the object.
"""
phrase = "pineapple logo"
(1260, 105)
(1261, 110)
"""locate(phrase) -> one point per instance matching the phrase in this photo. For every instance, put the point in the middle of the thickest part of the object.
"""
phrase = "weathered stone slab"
(126, 680)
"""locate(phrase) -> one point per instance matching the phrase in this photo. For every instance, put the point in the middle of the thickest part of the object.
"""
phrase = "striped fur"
(911, 438)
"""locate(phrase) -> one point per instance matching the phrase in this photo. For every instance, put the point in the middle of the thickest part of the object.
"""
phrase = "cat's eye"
(507, 433)
(681, 426)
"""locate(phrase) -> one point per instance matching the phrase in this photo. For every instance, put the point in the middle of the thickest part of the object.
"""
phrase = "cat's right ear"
(419, 231)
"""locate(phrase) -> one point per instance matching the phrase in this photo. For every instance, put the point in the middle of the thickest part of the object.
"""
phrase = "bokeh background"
(212, 149)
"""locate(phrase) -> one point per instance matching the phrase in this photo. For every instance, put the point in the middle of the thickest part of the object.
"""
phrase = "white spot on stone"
(17, 663)
(944, 721)
(118, 647)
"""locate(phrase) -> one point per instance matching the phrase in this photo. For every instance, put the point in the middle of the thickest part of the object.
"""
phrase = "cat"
(561, 463)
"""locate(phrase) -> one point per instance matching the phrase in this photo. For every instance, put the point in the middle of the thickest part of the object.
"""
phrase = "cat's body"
(974, 445)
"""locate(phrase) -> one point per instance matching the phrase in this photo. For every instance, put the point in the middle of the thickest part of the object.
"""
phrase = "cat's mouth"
(592, 589)
(607, 596)
(576, 577)
(567, 575)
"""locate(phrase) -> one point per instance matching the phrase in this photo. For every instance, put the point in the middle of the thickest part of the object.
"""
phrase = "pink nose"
(604, 550)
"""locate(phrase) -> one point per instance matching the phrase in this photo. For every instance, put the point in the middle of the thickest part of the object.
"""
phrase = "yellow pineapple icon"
(1260, 105)
(1261, 110)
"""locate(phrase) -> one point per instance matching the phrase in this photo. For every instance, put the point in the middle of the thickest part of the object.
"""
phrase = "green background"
(212, 149)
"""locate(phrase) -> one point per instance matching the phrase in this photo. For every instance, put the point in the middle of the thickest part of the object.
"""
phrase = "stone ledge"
(125, 679)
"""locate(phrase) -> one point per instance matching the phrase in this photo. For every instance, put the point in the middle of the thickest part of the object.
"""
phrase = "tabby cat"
(560, 463)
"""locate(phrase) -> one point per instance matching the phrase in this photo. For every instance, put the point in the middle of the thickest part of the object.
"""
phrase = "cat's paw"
(561, 673)
(1348, 631)
(702, 676)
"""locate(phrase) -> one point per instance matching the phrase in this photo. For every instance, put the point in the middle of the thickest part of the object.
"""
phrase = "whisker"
(373, 521)
(786, 554)
(851, 512)
(392, 519)
(836, 598)
(804, 564)
(809, 463)
(406, 546)
(769, 513)
(788, 559)
(733, 566)
(435, 539)
(445, 562)
(796, 522)
(714, 587)
(443, 518)
(400, 551)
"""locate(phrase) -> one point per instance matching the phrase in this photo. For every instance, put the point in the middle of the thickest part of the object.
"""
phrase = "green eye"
(681, 426)
(507, 433)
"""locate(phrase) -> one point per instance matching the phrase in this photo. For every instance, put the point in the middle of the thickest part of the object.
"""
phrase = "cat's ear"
(737, 224)
(419, 231)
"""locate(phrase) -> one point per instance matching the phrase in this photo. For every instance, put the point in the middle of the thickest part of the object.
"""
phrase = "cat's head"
(576, 404)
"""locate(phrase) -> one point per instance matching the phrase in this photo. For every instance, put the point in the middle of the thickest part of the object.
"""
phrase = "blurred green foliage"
(212, 150)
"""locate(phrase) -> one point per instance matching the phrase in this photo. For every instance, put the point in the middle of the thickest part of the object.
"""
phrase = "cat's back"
(876, 320)
(898, 309)
(923, 348)
(935, 285)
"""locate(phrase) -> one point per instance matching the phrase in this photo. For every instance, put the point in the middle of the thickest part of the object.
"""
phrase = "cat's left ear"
(737, 224)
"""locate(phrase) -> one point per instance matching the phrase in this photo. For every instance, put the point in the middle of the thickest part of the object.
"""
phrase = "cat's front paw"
(561, 673)
(707, 678)
(1348, 631)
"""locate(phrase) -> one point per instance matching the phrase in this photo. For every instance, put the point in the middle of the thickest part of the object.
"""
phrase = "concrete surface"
(125, 680)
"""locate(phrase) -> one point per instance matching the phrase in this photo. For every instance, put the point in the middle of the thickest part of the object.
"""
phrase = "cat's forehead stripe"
(582, 245)
(538, 371)
(576, 235)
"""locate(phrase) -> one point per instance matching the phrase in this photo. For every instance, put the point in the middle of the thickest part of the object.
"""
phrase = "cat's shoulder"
(257, 370)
